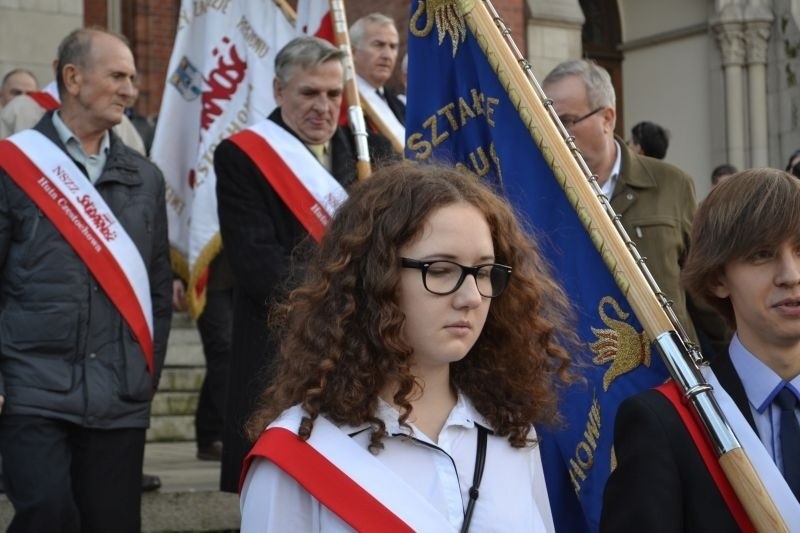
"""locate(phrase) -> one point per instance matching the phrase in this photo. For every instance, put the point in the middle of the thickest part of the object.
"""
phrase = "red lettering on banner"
(79, 223)
(101, 221)
(222, 81)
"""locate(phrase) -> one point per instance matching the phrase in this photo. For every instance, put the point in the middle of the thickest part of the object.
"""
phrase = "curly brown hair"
(341, 331)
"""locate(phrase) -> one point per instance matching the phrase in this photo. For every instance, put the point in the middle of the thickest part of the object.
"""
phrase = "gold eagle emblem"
(620, 343)
(443, 13)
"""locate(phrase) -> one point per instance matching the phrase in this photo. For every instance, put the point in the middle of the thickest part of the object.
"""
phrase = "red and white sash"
(345, 478)
(304, 185)
(767, 470)
(45, 100)
(69, 200)
(381, 107)
(763, 464)
(48, 97)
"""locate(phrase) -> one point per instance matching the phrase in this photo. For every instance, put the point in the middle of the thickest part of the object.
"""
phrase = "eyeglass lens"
(444, 277)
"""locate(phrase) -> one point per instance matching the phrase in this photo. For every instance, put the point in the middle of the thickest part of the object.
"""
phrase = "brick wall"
(95, 13)
(151, 26)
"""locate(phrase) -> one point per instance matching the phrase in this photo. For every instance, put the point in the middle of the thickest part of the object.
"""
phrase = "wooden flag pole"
(620, 255)
(354, 111)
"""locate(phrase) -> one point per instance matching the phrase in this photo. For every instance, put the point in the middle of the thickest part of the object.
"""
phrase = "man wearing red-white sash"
(744, 261)
(277, 183)
(375, 45)
(85, 300)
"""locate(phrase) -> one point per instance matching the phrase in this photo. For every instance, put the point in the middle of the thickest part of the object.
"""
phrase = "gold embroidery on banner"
(448, 21)
(582, 459)
(613, 461)
(621, 344)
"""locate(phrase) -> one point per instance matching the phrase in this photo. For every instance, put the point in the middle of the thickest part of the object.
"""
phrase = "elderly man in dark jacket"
(261, 231)
(85, 294)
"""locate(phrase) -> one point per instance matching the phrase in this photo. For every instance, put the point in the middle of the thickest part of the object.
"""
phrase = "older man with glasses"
(656, 201)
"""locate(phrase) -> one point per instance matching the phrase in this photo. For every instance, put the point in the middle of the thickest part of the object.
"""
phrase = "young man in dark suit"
(744, 260)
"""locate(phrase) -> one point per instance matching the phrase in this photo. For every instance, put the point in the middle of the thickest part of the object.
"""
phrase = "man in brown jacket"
(656, 200)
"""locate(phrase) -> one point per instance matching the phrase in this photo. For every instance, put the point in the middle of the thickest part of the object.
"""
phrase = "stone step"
(181, 379)
(171, 428)
(184, 348)
(174, 403)
(182, 320)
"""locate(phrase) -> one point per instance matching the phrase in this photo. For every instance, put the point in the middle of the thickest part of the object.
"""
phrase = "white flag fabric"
(219, 81)
(314, 18)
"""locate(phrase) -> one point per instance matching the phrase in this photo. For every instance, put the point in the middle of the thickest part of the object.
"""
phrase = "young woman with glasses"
(426, 340)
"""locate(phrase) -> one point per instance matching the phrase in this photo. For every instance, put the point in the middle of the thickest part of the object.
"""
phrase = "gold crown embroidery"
(444, 13)
(621, 344)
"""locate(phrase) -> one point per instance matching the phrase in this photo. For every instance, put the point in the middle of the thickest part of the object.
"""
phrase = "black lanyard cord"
(480, 461)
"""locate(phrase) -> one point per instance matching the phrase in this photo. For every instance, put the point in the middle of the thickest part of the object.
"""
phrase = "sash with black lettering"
(309, 191)
(69, 200)
(345, 478)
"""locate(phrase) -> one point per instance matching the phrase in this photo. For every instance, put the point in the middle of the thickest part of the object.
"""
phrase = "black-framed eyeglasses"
(570, 122)
(445, 277)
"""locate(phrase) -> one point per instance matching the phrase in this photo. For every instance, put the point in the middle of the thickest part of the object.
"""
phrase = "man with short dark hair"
(277, 183)
(721, 173)
(85, 290)
(650, 139)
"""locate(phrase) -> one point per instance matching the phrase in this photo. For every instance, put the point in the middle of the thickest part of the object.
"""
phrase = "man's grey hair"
(305, 53)
(359, 27)
(599, 89)
(76, 48)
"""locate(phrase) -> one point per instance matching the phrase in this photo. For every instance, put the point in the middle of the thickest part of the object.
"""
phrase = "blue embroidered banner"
(459, 113)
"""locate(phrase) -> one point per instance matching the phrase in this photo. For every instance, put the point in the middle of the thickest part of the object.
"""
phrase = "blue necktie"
(790, 439)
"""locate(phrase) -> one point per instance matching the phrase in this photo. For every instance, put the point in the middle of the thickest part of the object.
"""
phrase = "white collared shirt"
(613, 178)
(94, 164)
(513, 496)
(762, 384)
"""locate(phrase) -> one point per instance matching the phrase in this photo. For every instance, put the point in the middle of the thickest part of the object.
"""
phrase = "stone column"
(756, 35)
(553, 33)
(730, 37)
(114, 15)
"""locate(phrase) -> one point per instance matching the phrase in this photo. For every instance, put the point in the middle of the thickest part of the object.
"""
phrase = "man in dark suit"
(260, 227)
(744, 260)
(375, 44)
